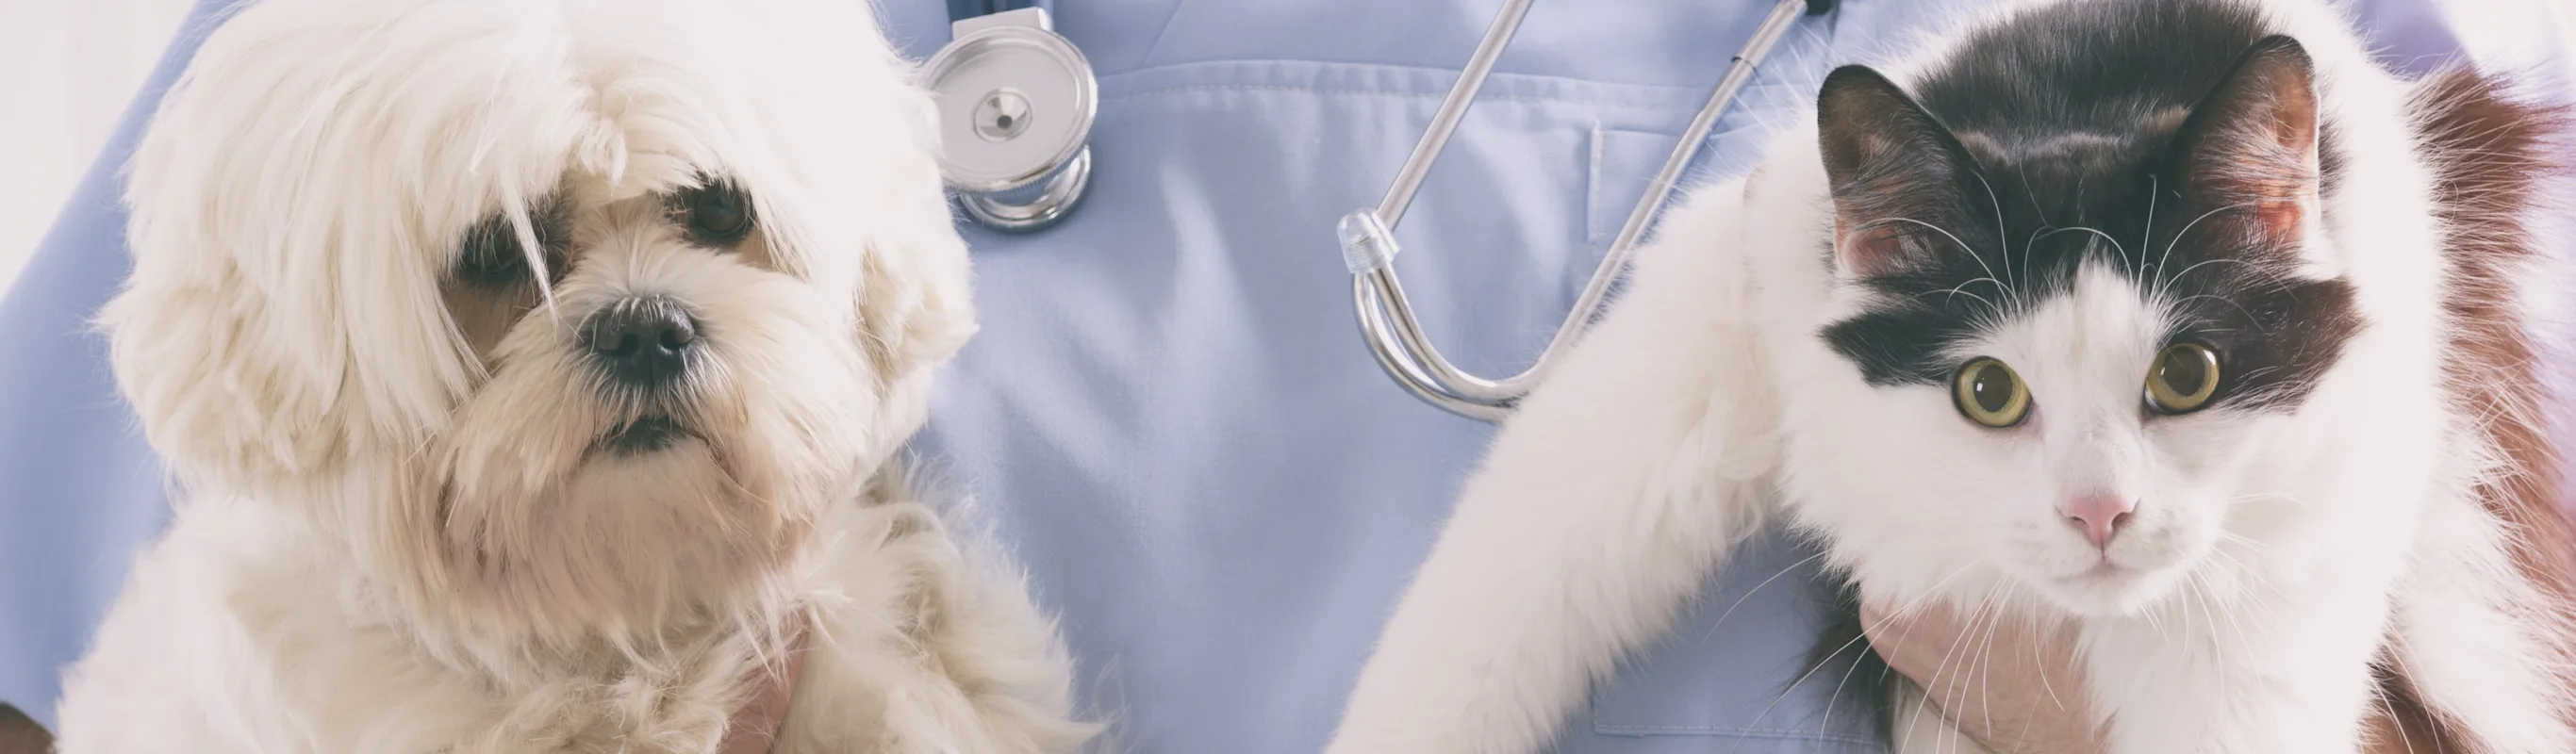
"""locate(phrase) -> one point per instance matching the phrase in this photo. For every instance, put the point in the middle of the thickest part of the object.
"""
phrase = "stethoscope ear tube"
(1015, 103)
(1368, 243)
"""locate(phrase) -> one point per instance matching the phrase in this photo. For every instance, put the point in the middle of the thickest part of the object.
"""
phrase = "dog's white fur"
(396, 529)
(2256, 598)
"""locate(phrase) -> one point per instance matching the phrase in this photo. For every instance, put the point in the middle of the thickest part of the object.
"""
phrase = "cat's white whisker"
(2177, 240)
(1748, 593)
(1900, 612)
(1999, 223)
(2249, 314)
(2147, 232)
(1980, 259)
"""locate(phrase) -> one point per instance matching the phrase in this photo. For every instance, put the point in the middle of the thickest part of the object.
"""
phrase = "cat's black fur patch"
(2073, 133)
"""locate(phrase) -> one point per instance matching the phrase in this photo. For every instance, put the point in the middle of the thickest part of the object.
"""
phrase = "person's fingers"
(2006, 683)
(2016, 689)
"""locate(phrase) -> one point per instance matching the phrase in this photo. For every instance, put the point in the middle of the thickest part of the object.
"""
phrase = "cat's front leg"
(1603, 504)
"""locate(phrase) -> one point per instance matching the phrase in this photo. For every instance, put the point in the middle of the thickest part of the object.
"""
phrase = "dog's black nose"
(642, 342)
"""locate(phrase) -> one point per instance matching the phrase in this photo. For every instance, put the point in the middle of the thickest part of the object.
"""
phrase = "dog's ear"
(283, 304)
(225, 338)
(220, 394)
(915, 302)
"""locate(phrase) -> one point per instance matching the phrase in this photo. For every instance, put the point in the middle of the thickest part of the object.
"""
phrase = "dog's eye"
(717, 212)
(489, 262)
(491, 257)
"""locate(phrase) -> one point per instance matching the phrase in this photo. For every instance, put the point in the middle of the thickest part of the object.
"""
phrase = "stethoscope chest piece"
(1015, 105)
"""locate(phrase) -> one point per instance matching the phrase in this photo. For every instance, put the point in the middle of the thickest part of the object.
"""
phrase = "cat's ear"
(2253, 141)
(1896, 172)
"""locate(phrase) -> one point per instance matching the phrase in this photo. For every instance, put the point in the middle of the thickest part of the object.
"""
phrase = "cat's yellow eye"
(1989, 393)
(2184, 377)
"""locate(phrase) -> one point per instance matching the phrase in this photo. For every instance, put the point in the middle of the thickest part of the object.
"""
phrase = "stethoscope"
(1015, 104)
(1368, 244)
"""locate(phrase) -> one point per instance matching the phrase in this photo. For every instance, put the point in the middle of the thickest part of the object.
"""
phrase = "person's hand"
(2017, 689)
(2009, 685)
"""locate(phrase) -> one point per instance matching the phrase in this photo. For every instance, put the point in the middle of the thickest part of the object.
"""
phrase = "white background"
(67, 69)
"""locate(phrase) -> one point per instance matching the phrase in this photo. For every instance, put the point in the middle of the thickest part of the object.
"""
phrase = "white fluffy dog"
(531, 373)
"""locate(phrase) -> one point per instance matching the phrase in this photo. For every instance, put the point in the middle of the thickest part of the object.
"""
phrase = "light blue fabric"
(79, 491)
(1168, 414)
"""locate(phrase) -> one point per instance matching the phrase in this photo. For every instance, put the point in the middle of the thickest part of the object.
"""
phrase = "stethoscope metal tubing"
(1408, 180)
(1386, 318)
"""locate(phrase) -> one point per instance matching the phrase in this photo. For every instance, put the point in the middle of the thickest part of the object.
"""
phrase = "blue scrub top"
(1168, 414)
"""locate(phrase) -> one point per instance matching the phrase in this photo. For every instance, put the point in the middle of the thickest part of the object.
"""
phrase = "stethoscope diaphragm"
(1015, 103)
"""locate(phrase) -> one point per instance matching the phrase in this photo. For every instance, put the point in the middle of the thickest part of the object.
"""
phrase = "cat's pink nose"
(2099, 515)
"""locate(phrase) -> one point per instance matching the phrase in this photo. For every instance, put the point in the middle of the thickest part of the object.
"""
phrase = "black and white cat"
(2175, 321)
